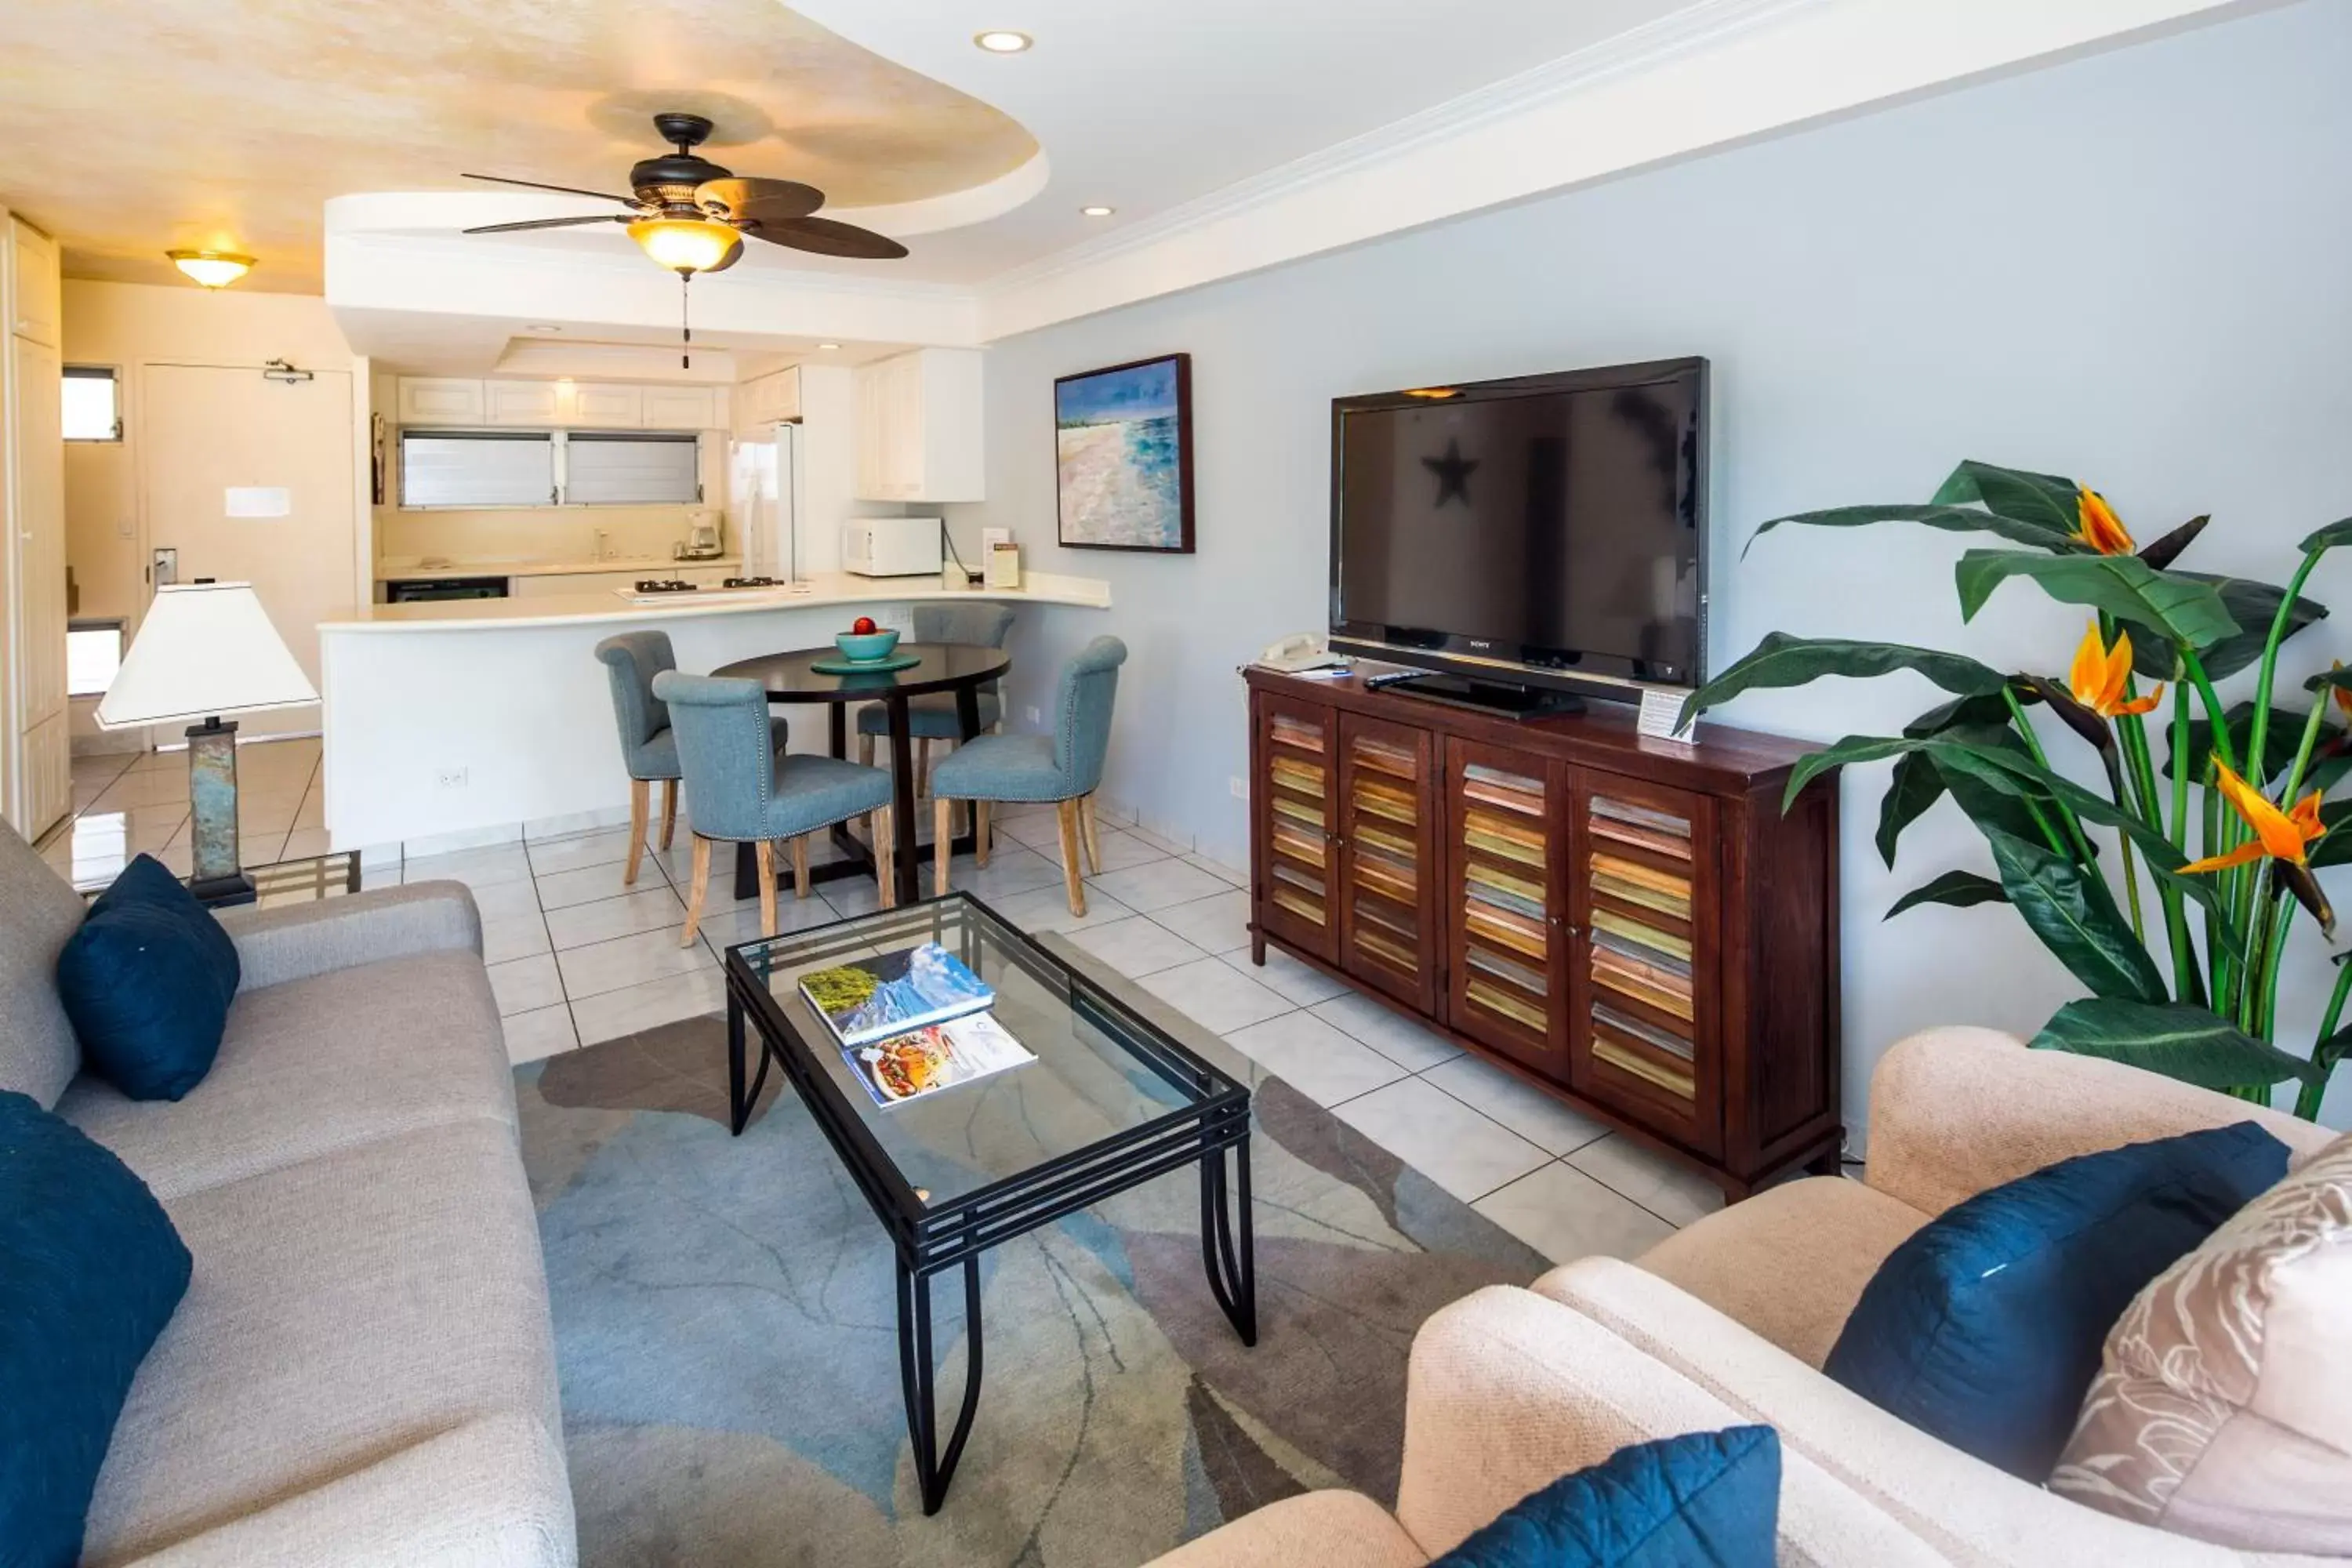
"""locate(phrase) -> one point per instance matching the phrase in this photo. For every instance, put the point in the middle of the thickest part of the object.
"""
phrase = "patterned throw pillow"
(2223, 1407)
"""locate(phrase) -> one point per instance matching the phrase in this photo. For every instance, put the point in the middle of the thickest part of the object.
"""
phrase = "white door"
(250, 481)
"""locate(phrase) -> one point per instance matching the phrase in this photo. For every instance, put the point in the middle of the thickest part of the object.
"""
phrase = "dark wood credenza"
(1630, 924)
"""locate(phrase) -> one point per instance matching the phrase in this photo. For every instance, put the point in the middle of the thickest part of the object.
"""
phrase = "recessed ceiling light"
(1098, 210)
(828, 345)
(542, 327)
(1002, 41)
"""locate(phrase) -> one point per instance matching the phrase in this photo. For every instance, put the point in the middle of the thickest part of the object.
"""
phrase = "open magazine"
(870, 999)
(910, 1065)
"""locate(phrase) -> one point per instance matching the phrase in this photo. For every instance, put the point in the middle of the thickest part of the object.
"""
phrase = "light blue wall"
(2133, 268)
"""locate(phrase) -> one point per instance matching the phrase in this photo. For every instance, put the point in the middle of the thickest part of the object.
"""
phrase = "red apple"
(863, 627)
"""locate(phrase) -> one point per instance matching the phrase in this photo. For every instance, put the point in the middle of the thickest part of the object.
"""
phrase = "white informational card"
(1660, 707)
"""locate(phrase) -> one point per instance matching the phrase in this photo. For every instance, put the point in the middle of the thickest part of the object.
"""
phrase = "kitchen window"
(538, 467)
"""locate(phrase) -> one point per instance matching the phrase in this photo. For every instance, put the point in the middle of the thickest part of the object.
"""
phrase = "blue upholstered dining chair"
(743, 788)
(648, 750)
(932, 716)
(1064, 767)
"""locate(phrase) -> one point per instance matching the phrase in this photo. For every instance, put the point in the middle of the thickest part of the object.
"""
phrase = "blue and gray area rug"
(724, 1329)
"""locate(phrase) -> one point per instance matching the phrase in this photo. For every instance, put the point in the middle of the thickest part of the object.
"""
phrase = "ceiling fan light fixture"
(686, 245)
(212, 268)
(1002, 41)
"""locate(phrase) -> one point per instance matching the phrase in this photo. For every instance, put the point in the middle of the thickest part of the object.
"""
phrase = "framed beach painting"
(1123, 454)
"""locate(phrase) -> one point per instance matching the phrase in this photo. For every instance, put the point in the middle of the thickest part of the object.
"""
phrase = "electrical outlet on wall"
(1239, 786)
(1031, 715)
(451, 778)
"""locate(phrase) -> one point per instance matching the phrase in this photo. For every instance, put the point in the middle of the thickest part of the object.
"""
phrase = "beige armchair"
(1729, 1320)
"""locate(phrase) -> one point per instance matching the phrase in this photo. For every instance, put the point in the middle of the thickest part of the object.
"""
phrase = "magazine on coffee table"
(870, 999)
(911, 1066)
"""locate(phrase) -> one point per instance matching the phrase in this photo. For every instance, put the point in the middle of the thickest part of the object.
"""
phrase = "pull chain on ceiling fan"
(691, 216)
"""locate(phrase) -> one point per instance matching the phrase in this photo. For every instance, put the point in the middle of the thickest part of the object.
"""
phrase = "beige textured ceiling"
(133, 126)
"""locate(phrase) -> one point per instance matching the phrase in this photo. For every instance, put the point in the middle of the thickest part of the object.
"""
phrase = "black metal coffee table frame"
(930, 1238)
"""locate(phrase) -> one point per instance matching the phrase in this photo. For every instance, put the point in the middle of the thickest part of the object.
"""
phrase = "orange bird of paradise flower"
(2100, 674)
(2099, 527)
(2285, 836)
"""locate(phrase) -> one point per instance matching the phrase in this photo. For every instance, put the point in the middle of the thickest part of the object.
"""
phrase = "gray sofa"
(364, 1369)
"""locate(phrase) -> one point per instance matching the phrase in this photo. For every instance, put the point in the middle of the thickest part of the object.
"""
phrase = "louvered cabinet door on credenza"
(1506, 964)
(1294, 803)
(1635, 926)
(1388, 806)
(1642, 896)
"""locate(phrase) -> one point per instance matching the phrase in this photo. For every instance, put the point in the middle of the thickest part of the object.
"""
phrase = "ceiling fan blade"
(548, 223)
(567, 190)
(824, 236)
(763, 202)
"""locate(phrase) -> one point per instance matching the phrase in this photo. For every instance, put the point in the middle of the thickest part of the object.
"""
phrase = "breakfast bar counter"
(471, 720)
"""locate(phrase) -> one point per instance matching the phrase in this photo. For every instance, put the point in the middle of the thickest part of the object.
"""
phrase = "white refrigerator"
(764, 500)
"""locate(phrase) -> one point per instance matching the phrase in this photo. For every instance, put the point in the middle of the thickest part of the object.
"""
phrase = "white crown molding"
(1638, 48)
(1712, 75)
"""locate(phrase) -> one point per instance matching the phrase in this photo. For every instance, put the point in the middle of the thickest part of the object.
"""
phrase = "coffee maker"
(702, 535)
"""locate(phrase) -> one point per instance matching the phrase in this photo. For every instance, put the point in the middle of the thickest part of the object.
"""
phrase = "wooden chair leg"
(1068, 814)
(922, 765)
(943, 842)
(1092, 834)
(640, 799)
(669, 811)
(800, 867)
(866, 750)
(885, 857)
(765, 853)
(696, 888)
(980, 833)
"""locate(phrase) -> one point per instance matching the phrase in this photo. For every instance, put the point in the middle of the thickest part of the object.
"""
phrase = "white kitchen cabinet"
(441, 400)
(767, 400)
(534, 403)
(683, 408)
(35, 311)
(600, 405)
(48, 772)
(919, 428)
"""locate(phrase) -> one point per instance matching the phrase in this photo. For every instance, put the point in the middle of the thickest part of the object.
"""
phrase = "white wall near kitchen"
(2127, 268)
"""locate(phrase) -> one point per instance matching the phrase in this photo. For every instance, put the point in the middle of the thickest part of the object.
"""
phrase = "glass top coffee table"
(1111, 1102)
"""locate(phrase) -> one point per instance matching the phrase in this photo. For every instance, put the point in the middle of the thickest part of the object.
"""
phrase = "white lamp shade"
(204, 649)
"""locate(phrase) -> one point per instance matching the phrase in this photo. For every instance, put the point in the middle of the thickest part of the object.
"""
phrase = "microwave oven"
(891, 546)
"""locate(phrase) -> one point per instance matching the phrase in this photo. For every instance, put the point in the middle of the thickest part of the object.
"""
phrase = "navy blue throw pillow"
(147, 982)
(1709, 1499)
(1984, 1329)
(90, 1271)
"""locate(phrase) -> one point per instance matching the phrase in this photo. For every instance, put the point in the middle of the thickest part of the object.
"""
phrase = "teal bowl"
(865, 648)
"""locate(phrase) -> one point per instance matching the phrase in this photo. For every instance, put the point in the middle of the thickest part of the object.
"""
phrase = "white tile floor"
(575, 958)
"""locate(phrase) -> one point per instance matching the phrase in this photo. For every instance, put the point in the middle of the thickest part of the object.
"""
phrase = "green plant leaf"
(2333, 848)
(1853, 748)
(2016, 774)
(2050, 501)
(2180, 1041)
(2252, 605)
(2122, 585)
(2075, 916)
(1918, 784)
(2328, 538)
(1781, 660)
(1961, 889)
(2279, 741)
(1949, 519)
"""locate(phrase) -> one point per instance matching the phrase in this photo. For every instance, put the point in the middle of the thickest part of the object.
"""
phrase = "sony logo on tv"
(1474, 642)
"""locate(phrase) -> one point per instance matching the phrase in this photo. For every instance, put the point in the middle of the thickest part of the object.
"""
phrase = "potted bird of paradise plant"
(2219, 811)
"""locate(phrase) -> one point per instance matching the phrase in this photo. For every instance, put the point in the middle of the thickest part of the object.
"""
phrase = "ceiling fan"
(690, 214)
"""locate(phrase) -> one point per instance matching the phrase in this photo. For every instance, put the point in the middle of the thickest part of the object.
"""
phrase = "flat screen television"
(1546, 532)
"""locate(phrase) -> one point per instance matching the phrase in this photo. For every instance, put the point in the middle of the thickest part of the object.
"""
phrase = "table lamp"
(204, 649)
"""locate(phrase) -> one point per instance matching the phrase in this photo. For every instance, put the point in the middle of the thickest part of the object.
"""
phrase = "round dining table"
(792, 677)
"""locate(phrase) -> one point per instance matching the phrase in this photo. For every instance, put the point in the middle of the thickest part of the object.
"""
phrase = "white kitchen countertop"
(415, 568)
(827, 588)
